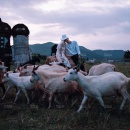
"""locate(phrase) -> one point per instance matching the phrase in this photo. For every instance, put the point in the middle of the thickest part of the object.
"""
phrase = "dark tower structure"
(5, 48)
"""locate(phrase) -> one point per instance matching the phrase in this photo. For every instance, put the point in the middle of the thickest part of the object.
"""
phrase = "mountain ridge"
(45, 49)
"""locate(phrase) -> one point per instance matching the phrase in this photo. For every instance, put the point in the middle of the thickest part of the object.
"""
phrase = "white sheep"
(3, 70)
(101, 69)
(9, 82)
(27, 70)
(108, 84)
(22, 83)
(54, 83)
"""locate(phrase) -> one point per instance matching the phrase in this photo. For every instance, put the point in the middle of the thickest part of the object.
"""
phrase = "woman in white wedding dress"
(60, 54)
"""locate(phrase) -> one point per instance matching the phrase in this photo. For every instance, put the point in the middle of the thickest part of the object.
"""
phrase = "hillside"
(45, 49)
(111, 54)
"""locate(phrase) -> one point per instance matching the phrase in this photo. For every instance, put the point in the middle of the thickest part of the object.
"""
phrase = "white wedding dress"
(60, 54)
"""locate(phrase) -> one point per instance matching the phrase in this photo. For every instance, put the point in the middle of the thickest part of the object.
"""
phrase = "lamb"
(101, 69)
(27, 70)
(22, 83)
(53, 82)
(108, 84)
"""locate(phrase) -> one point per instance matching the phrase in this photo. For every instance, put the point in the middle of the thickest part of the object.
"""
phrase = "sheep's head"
(71, 75)
(3, 69)
(5, 78)
(34, 77)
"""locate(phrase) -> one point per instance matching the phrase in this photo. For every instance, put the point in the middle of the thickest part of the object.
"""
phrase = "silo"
(5, 48)
(21, 50)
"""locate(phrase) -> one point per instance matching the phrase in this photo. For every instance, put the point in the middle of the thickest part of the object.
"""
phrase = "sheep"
(108, 84)
(101, 69)
(2, 71)
(51, 59)
(53, 82)
(1, 84)
(22, 83)
(10, 84)
(27, 70)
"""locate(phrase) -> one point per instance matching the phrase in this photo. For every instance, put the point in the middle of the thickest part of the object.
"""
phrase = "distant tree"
(127, 54)
(42, 58)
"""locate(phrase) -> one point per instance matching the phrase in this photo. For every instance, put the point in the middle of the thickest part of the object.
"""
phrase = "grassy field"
(36, 116)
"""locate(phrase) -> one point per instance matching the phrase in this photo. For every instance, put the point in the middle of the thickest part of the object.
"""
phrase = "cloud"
(102, 24)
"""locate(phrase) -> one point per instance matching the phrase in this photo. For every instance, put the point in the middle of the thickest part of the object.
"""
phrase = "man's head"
(65, 38)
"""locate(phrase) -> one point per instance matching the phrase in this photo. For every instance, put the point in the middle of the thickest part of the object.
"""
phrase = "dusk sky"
(94, 24)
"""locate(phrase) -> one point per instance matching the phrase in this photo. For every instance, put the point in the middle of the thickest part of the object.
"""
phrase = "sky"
(94, 24)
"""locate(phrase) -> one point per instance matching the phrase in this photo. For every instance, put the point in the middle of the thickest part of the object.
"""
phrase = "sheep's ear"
(66, 69)
(7, 74)
(3, 67)
(77, 69)
(18, 67)
(25, 66)
(33, 68)
(37, 67)
(33, 72)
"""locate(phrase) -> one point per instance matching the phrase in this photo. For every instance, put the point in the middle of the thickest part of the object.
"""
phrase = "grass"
(36, 116)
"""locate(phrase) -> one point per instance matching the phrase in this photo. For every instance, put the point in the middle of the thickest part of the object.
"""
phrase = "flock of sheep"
(101, 80)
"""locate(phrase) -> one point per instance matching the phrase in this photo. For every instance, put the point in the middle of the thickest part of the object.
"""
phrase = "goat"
(101, 69)
(27, 70)
(52, 59)
(10, 84)
(22, 83)
(2, 71)
(108, 84)
(53, 82)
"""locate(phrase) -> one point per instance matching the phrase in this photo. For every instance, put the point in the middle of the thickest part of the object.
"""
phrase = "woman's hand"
(62, 59)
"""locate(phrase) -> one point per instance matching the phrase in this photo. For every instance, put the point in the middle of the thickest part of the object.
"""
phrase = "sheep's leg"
(101, 103)
(125, 97)
(56, 100)
(122, 104)
(66, 97)
(17, 95)
(3, 87)
(44, 96)
(82, 103)
(50, 100)
(9, 86)
(26, 95)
